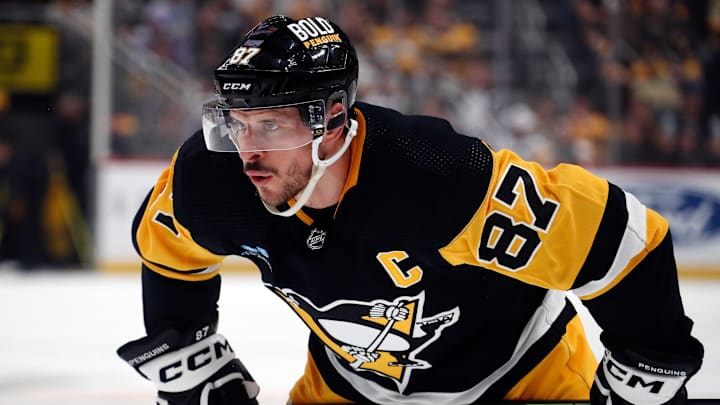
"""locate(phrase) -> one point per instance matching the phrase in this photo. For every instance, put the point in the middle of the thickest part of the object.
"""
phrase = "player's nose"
(250, 156)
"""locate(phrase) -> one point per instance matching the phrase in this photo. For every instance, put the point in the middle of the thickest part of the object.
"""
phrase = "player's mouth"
(258, 178)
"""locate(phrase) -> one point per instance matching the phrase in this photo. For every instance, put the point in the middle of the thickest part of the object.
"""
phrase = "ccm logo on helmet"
(314, 31)
(236, 86)
(194, 361)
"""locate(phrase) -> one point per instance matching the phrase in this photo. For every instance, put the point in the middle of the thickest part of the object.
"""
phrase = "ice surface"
(59, 332)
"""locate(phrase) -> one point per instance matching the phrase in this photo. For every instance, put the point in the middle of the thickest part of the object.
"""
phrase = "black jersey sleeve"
(646, 306)
(180, 278)
(166, 245)
(178, 303)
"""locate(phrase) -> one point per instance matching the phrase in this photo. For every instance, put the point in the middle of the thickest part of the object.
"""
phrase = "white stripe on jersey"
(536, 328)
(208, 270)
(633, 242)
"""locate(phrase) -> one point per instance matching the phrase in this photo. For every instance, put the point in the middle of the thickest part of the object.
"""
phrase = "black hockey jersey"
(439, 277)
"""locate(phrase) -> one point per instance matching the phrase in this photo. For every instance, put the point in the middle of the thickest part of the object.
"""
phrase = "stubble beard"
(291, 184)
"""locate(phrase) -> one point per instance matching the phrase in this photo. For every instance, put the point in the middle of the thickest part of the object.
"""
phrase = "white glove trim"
(172, 371)
(634, 385)
(605, 391)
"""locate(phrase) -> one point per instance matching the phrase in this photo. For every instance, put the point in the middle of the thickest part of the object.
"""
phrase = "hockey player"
(428, 267)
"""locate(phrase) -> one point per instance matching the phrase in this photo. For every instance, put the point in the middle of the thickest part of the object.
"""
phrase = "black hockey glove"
(197, 369)
(630, 375)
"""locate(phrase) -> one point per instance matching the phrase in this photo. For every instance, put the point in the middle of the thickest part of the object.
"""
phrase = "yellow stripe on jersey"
(166, 246)
(572, 364)
(356, 149)
(534, 225)
(311, 388)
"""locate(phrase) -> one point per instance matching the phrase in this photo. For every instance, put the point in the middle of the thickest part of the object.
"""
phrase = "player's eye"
(270, 126)
(237, 125)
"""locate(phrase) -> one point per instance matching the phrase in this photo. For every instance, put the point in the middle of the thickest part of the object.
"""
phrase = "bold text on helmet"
(311, 28)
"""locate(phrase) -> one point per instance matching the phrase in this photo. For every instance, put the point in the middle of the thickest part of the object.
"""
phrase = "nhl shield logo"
(316, 239)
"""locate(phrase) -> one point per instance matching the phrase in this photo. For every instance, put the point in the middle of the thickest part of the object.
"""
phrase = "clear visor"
(281, 127)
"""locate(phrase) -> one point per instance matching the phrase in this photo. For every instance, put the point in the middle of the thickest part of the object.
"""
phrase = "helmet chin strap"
(317, 172)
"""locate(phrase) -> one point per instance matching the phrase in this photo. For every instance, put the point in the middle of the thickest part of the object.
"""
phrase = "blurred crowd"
(661, 58)
(594, 82)
(646, 89)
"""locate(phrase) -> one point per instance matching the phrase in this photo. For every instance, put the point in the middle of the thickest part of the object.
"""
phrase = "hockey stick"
(377, 341)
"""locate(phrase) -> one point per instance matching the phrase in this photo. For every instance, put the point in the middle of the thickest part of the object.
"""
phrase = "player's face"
(278, 175)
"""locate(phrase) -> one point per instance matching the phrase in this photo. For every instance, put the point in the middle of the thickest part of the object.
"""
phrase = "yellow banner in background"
(28, 58)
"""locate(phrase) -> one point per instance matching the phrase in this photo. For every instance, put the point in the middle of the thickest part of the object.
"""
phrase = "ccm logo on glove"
(193, 363)
(626, 376)
(640, 383)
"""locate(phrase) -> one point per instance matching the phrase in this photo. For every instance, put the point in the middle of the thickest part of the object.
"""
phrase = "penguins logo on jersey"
(383, 337)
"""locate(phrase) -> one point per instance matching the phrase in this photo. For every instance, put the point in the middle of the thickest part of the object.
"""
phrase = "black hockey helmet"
(284, 61)
(309, 63)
